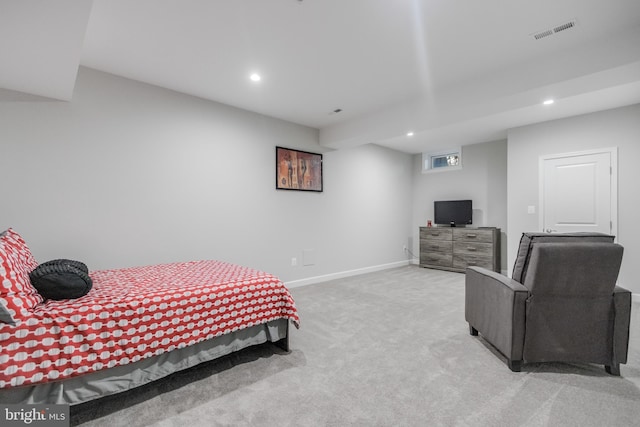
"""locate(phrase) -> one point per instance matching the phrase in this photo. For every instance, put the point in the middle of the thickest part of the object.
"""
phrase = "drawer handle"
(471, 236)
(471, 248)
(435, 234)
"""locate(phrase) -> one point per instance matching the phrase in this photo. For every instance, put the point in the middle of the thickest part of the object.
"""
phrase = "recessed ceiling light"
(548, 102)
(409, 133)
(255, 77)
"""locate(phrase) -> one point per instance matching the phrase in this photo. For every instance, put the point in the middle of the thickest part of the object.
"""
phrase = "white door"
(578, 192)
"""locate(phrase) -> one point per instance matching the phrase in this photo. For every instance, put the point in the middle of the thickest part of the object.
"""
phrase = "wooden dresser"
(457, 248)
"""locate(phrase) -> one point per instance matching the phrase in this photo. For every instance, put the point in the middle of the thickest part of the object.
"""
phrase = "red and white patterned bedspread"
(136, 313)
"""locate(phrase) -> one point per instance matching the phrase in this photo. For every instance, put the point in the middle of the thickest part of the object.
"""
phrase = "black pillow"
(61, 279)
(77, 264)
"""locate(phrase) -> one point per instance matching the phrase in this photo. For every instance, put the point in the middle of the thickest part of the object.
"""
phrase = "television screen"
(453, 212)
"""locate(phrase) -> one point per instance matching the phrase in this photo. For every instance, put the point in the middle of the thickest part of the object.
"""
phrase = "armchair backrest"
(573, 269)
(571, 309)
(528, 240)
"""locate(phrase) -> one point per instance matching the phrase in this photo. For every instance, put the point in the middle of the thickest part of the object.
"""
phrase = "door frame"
(613, 152)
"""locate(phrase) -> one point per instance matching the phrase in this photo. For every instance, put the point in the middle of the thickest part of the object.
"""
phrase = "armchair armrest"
(621, 321)
(495, 306)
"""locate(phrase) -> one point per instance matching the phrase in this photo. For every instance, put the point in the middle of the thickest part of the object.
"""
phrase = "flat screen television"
(453, 212)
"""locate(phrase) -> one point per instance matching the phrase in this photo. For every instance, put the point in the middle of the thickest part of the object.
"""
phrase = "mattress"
(137, 314)
(84, 388)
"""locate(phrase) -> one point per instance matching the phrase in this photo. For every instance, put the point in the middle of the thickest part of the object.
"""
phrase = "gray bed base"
(109, 381)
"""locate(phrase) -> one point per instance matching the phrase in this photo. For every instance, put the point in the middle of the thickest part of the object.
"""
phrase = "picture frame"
(298, 170)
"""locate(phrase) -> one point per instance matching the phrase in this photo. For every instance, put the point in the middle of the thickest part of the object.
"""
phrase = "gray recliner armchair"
(561, 304)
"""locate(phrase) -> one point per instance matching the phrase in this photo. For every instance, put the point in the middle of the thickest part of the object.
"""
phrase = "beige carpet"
(382, 349)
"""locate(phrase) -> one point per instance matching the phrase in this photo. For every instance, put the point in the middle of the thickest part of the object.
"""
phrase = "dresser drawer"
(475, 260)
(434, 233)
(436, 259)
(476, 235)
(445, 246)
(472, 248)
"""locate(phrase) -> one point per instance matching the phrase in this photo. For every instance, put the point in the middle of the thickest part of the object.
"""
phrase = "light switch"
(531, 209)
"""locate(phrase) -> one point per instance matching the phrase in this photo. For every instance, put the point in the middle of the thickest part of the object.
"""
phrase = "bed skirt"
(126, 377)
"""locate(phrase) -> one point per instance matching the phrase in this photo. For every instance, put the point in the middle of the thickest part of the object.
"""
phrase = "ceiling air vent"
(565, 26)
(558, 28)
(542, 34)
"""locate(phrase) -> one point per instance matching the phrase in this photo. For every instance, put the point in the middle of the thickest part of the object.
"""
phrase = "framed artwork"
(298, 170)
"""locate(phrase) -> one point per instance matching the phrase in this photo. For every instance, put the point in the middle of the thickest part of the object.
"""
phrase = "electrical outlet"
(294, 262)
(404, 248)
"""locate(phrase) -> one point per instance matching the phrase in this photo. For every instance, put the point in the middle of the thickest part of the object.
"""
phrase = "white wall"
(612, 128)
(130, 174)
(481, 179)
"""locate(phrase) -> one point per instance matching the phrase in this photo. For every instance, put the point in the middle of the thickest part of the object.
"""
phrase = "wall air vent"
(556, 29)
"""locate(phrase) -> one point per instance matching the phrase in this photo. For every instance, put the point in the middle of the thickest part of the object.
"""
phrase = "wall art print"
(298, 170)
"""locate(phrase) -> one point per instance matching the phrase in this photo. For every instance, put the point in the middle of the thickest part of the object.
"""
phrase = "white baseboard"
(342, 274)
(635, 297)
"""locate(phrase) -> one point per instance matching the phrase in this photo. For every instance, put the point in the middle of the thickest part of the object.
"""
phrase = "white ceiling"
(454, 72)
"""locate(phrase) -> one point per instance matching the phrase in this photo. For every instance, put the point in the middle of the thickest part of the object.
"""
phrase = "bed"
(134, 326)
